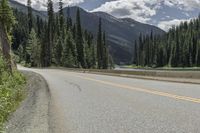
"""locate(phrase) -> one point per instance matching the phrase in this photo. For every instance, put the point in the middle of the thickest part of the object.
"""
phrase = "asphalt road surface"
(89, 103)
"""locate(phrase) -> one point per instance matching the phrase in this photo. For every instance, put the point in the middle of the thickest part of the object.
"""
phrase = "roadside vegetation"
(11, 91)
(161, 68)
(11, 81)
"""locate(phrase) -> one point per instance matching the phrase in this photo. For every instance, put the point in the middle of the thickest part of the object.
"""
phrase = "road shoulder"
(33, 114)
(188, 77)
(165, 79)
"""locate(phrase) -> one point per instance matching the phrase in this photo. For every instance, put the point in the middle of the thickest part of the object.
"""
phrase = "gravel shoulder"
(33, 114)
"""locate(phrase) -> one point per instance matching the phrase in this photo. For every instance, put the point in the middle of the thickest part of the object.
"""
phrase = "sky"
(161, 13)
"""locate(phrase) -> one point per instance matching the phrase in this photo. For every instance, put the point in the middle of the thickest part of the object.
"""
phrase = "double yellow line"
(159, 93)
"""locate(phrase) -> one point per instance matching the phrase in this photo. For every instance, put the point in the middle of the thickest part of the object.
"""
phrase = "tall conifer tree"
(79, 40)
(61, 18)
(30, 16)
(99, 46)
(50, 33)
(105, 52)
(7, 21)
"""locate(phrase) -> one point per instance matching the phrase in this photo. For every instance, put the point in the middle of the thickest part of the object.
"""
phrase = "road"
(89, 103)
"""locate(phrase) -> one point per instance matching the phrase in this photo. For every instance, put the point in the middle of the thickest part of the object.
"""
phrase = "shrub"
(11, 91)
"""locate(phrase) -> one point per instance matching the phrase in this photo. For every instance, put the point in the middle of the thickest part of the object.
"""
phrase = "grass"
(163, 68)
(12, 92)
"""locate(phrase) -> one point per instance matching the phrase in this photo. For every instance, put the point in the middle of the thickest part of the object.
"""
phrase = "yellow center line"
(159, 93)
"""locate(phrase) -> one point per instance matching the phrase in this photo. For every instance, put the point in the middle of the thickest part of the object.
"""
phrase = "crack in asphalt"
(75, 85)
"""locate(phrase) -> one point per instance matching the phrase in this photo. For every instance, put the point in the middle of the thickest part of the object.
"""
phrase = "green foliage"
(20, 31)
(50, 33)
(58, 51)
(105, 53)
(99, 46)
(56, 41)
(61, 19)
(102, 49)
(68, 55)
(6, 16)
(79, 41)
(11, 91)
(30, 16)
(33, 49)
(179, 47)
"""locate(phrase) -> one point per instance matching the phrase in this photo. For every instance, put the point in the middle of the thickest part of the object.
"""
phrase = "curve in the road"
(185, 98)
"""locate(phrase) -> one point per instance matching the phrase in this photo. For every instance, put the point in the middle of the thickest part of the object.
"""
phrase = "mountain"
(121, 33)
(23, 8)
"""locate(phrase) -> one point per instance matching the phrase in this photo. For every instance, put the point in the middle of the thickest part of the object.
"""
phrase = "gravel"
(33, 114)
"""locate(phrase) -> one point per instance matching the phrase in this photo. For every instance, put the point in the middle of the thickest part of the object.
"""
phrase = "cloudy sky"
(161, 13)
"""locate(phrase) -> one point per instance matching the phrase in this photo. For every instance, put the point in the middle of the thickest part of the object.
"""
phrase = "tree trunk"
(5, 46)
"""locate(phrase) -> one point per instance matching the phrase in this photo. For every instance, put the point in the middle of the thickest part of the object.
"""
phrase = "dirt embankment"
(33, 114)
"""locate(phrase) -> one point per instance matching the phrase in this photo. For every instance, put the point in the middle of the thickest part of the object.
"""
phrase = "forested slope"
(120, 33)
(58, 41)
(180, 47)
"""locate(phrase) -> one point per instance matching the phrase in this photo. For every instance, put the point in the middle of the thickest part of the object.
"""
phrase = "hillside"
(121, 33)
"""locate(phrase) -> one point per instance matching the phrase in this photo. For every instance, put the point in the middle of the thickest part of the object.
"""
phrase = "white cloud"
(42, 4)
(140, 10)
(144, 10)
(166, 25)
(184, 4)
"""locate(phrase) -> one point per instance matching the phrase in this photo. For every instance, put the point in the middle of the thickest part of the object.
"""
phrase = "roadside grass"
(12, 92)
(162, 68)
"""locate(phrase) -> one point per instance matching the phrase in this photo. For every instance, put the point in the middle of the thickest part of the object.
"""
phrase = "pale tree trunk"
(5, 46)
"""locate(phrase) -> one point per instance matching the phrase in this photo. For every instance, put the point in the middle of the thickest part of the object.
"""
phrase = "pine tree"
(197, 55)
(105, 52)
(79, 41)
(68, 58)
(93, 56)
(30, 16)
(7, 21)
(50, 33)
(61, 19)
(69, 20)
(20, 53)
(7, 18)
(33, 49)
(89, 50)
(58, 51)
(39, 26)
(171, 49)
(57, 27)
(74, 32)
(155, 47)
(179, 47)
(99, 46)
(60, 41)
(44, 46)
(135, 61)
(140, 50)
(177, 52)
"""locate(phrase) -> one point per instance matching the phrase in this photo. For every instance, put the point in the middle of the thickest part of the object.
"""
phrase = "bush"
(11, 91)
